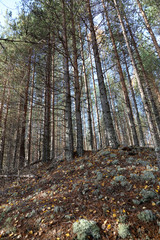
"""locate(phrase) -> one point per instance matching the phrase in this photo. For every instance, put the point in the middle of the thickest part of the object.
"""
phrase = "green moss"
(123, 230)
(84, 228)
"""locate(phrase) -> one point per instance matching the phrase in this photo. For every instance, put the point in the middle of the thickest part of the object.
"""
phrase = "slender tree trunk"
(84, 127)
(155, 89)
(141, 135)
(53, 98)
(30, 115)
(114, 112)
(148, 26)
(25, 109)
(123, 84)
(17, 140)
(87, 91)
(77, 88)
(146, 80)
(141, 87)
(47, 114)
(3, 137)
(2, 101)
(104, 101)
(68, 112)
(95, 98)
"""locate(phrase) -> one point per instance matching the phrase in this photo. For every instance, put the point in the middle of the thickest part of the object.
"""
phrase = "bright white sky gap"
(11, 6)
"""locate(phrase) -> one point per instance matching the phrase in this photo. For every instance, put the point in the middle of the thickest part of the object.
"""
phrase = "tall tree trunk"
(148, 26)
(25, 109)
(68, 112)
(2, 100)
(3, 137)
(17, 140)
(141, 135)
(146, 80)
(30, 115)
(155, 89)
(95, 98)
(114, 112)
(53, 98)
(87, 91)
(141, 87)
(47, 114)
(123, 84)
(104, 101)
(77, 88)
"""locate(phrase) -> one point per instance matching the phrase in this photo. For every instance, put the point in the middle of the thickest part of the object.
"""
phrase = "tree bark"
(25, 109)
(123, 84)
(47, 114)
(30, 115)
(151, 123)
(104, 101)
(114, 112)
(3, 137)
(68, 111)
(145, 78)
(87, 91)
(2, 101)
(53, 98)
(77, 88)
(141, 134)
(95, 98)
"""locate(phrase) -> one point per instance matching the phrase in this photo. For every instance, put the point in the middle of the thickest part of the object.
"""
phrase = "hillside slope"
(118, 189)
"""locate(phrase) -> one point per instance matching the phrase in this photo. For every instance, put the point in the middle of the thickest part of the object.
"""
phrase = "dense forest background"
(78, 76)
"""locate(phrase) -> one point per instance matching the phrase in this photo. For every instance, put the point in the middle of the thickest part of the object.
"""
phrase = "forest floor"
(118, 189)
